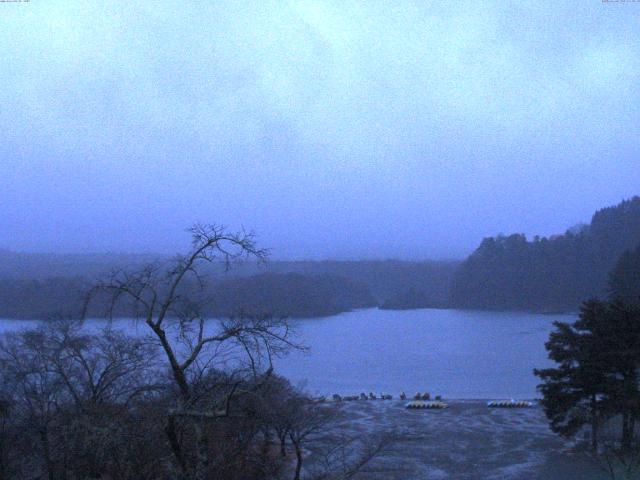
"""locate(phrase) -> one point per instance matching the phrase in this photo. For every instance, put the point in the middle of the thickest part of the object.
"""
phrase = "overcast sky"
(332, 129)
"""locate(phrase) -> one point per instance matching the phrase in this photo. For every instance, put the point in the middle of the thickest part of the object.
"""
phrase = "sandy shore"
(465, 441)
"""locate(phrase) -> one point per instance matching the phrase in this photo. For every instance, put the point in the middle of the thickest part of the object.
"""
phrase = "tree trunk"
(283, 449)
(44, 438)
(202, 452)
(172, 436)
(3, 474)
(178, 373)
(296, 446)
(628, 414)
(626, 432)
(594, 424)
(3, 468)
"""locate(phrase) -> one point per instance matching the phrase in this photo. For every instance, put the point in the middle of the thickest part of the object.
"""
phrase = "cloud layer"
(333, 129)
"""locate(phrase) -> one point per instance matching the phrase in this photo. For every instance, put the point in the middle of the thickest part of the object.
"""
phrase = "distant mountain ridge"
(384, 278)
(43, 285)
(547, 274)
(291, 295)
(553, 274)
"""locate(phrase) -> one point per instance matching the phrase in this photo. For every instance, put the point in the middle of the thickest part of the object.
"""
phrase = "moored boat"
(509, 404)
(419, 404)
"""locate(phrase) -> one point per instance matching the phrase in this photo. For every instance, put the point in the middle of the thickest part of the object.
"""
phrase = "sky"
(332, 129)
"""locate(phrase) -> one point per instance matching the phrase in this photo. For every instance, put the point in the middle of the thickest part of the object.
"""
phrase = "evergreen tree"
(572, 392)
(597, 375)
(619, 344)
(624, 280)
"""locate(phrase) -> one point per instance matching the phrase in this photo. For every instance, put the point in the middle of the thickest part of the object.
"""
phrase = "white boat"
(427, 405)
(509, 404)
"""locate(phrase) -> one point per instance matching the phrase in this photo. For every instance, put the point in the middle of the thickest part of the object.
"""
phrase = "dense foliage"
(291, 294)
(413, 298)
(624, 280)
(598, 370)
(384, 278)
(548, 274)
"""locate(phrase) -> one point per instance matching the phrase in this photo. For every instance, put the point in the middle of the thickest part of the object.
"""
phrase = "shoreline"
(337, 313)
(465, 441)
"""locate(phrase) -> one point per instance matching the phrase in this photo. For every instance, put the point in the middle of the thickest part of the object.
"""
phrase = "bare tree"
(5, 438)
(306, 419)
(33, 391)
(345, 457)
(165, 300)
(192, 399)
(67, 391)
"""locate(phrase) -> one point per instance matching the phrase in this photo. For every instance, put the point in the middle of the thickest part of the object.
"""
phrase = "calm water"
(459, 354)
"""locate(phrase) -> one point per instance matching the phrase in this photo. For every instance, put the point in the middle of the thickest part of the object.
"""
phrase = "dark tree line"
(41, 286)
(624, 280)
(548, 274)
(292, 294)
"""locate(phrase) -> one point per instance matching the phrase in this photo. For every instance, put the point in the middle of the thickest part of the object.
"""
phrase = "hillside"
(42, 285)
(290, 294)
(293, 295)
(547, 274)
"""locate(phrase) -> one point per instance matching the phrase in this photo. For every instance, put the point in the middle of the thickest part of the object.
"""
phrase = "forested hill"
(275, 294)
(547, 274)
(41, 285)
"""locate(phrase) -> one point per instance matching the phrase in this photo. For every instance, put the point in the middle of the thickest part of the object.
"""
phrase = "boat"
(420, 404)
(509, 404)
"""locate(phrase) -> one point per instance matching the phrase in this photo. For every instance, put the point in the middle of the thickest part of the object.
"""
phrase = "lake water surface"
(457, 354)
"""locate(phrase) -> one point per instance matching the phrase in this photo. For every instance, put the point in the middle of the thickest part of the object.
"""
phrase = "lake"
(458, 354)
(454, 353)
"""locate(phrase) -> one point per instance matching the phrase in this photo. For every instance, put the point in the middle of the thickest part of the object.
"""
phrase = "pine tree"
(598, 371)
(624, 279)
(572, 392)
